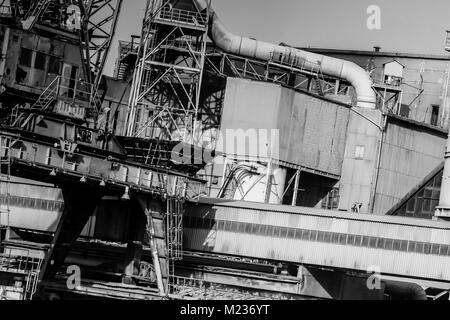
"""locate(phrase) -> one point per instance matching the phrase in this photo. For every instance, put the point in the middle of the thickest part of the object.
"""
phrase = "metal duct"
(404, 291)
(254, 49)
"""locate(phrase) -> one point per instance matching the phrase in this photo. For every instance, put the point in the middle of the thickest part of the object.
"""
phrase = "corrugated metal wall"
(312, 130)
(396, 245)
(410, 152)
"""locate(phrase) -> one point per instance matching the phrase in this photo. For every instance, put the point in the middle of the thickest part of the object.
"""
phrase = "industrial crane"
(95, 21)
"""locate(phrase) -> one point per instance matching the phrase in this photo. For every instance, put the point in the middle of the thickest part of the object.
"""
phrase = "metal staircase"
(23, 265)
(35, 13)
(48, 96)
(31, 285)
(43, 103)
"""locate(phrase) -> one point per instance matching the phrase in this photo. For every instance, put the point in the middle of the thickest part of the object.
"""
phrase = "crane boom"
(96, 35)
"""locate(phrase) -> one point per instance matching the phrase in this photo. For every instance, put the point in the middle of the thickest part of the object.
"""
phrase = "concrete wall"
(312, 131)
(410, 152)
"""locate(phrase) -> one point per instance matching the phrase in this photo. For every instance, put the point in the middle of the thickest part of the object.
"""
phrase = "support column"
(132, 261)
(79, 205)
(268, 190)
(443, 209)
(296, 186)
(336, 86)
(133, 254)
(156, 234)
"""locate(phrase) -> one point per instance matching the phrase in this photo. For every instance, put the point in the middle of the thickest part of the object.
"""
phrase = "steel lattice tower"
(164, 101)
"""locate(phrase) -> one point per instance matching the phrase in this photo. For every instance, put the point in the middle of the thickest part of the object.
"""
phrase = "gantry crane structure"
(88, 163)
(165, 95)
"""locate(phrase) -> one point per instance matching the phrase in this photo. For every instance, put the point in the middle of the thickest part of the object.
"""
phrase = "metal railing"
(77, 94)
(19, 261)
(35, 13)
(128, 46)
(23, 262)
(183, 16)
(296, 63)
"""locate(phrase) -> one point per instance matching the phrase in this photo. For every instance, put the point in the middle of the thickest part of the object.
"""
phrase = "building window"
(434, 115)
(148, 130)
(39, 62)
(54, 65)
(25, 57)
(404, 111)
(359, 152)
(331, 201)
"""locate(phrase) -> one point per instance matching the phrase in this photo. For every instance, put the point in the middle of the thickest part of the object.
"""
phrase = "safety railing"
(35, 13)
(75, 89)
(296, 63)
(52, 14)
(127, 47)
(24, 262)
(183, 16)
(378, 78)
(73, 98)
(20, 261)
(67, 88)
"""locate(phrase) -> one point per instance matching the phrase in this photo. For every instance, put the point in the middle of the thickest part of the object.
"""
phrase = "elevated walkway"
(397, 246)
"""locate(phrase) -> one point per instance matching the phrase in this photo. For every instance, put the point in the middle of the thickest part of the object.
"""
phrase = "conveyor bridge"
(396, 246)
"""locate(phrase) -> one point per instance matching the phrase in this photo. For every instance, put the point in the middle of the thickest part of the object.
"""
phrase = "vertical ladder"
(32, 279)
(174, 235)
(5, 188)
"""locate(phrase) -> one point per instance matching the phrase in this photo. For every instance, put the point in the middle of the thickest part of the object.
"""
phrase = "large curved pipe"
(404, 291)
(251, 48)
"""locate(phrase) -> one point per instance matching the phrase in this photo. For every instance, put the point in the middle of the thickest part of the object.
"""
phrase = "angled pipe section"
(260, 50)
(404, 291)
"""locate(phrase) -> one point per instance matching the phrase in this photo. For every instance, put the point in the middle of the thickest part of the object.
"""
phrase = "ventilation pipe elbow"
(404, 291)
(260, 50)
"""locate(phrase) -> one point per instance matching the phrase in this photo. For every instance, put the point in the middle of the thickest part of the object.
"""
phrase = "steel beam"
(96, 35)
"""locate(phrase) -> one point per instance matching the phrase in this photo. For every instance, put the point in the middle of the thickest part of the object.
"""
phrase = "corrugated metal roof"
(327, 213)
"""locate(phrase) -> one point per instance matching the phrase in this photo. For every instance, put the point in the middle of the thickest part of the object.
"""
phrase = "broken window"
(25, 57)
(39, 62)
(54, 64)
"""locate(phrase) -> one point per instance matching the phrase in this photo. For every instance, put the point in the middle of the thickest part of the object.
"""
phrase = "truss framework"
(165, 95)
(297, 77)
(96, 35)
